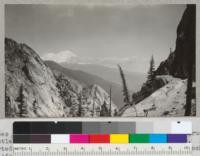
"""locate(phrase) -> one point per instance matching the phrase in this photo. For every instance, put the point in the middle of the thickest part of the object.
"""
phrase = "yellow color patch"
(119, 138)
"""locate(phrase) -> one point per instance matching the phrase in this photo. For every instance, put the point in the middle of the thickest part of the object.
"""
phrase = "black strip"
(21, 128)
(20, 139)
(68, 128)
(47, 127)
(42, 127)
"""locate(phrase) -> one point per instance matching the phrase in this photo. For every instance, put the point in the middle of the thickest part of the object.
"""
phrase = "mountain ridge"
(89, 79)
(32, 89)
(110, 74)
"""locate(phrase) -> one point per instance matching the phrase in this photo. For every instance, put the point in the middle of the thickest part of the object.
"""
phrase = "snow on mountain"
(60, 57)
(169, 100)
(34, 90)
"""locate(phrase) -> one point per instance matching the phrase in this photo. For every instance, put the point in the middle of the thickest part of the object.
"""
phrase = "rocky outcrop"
(32, 89)
(177, 63)
(24, 69)
(167, 101)
(88, 79)
(91, 96)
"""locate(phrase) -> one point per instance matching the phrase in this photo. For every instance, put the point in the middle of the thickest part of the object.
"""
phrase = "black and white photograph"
(65, 60)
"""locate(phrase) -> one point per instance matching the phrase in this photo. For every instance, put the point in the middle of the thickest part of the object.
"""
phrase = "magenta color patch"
(79, 138)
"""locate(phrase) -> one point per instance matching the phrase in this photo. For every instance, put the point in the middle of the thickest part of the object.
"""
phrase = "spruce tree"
(35, 107)
(110, 105)
(104, 110)
(93, 108)
(79, 112)
(22, 105)
(7, 103)
(125, 88)
(64, 86)
(151, 72)
(115, 112)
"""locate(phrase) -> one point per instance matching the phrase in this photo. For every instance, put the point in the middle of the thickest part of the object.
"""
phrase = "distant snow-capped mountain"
(34, 90)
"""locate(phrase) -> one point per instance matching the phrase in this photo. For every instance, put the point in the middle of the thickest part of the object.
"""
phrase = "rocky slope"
(24, 68)
(166, 101)
(88, 79)
(180, 65)
(74, 92)
(178, 62)
(33, 90)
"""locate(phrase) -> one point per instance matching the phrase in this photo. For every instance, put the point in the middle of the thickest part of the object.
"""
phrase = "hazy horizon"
(125, 35)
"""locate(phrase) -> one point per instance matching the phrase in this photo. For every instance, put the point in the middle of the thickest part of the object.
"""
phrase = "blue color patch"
(158, 138)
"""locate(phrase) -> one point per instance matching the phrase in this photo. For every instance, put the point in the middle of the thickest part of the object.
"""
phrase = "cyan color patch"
(158, 138)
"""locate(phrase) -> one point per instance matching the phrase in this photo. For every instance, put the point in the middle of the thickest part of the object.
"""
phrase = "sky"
(105, 35)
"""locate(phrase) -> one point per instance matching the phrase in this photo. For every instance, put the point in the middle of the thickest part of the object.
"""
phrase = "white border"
(97, 2)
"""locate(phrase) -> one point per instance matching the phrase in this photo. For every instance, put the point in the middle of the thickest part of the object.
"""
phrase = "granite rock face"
(177, 63)
(171, 73)
(32, 89)
(24, 69)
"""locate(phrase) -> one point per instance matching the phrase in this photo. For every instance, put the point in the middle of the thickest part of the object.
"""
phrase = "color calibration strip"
(101, 138)
(100, 132)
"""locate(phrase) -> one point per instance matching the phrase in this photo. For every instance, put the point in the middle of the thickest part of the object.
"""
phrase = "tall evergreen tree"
(35, 107)
(79, 112)
(151, 72)
(22, 105)
(125, 88)
(94, 111)
(93, 108)
(115, 112)
(7, 104)
(64, 86)
(104, 110)
(110, 105)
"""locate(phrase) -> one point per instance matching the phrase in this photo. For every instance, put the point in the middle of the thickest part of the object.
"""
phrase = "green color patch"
(138, 138)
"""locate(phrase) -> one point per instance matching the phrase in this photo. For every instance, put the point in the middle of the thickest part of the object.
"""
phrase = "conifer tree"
(35, 107)
(125, 89)
(110, 105)
(151, 72)
(115, 112)
(79, 112)
(93, 108)
(22, 105)
(104, 110)
(7, 103)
